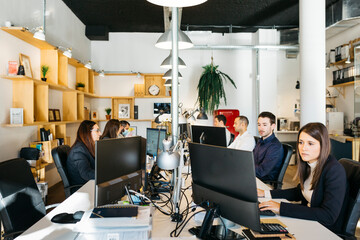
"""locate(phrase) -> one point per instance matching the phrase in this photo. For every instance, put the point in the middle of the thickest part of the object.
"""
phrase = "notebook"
(114, 211)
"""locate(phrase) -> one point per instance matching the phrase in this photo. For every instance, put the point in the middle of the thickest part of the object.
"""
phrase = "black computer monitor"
(119, 162)
(208, 135)
(225, 180)
(154, 140)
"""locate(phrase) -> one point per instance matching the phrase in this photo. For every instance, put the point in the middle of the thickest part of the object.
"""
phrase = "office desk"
(83, 199)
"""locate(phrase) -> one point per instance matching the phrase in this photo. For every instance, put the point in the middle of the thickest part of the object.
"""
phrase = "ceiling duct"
(341, 15)
(289, 36)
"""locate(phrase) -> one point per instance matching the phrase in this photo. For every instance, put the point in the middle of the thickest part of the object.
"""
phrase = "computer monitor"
(225, 180)
(119, 162)
(208, 135)
(154, 140)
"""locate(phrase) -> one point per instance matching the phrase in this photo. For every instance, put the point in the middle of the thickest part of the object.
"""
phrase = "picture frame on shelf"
(51, 115)
(57, 115)
(12, 68)
(25, 61)
(94, 115)
(124, 111)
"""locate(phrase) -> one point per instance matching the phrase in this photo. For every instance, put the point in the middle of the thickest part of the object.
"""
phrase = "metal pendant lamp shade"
(168, 83)
(165, 40)
(167, 159)
(177, 3)
(168, 75)
(167, 63)
(39, 34)
(68, 53)
(202, 115)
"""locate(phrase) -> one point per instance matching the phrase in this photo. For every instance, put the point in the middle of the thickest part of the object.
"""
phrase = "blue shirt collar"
(269, 139)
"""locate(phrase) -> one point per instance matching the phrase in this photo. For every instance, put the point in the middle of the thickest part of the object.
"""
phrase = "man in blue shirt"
(268, 152)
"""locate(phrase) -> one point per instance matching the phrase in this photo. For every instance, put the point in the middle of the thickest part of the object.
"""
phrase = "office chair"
(60, 155)
(256, 139)
(288, 151)
(232, 138)
(352, 169)
(21, 204)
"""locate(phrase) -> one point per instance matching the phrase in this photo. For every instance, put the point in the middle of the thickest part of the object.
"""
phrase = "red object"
(230, 115)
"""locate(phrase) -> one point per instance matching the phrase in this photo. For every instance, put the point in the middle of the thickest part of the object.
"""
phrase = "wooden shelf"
(153, 96)
(39, 123)
(341, 62)
(27, 36)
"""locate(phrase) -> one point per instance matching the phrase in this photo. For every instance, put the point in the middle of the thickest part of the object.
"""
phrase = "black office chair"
(288, 151)
(232, 138)
(352, 169)
(60, 155)
(21, 204)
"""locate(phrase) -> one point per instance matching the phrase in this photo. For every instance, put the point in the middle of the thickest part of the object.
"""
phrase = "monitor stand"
(208, 231)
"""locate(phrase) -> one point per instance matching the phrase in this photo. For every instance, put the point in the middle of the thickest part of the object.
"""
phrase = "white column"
(174, 80)
(312, 61)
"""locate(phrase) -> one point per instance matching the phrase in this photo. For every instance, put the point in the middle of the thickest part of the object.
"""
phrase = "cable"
(158, 207)
(183, 226)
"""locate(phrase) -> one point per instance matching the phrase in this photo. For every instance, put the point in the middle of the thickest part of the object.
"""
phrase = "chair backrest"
(352, 169)
(21, 204)
(232, 137)
(256, 139)
(60, 155)
(288, 151)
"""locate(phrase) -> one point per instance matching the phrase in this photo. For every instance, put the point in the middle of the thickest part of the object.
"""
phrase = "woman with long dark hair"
(112, 129)
(81, 160)
(323, 186)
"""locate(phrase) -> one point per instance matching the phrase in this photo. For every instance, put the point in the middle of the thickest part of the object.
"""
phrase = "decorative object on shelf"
(297, 86)
(25, 61)
(51, 115)
(94, 115)
(12, 68)
(7, 24)
(16, 116)
(86, 114)
(211, 87)
(21, 70)
(124, 110)
(57, 115)
(44, 70)
(108, 115)
(80, 86)
(154, 90)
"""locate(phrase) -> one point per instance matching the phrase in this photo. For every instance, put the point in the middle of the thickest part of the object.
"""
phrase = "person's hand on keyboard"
(270, 205)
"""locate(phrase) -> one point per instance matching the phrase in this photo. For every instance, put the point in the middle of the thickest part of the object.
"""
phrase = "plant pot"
(108, 117)
(43, 79)
(80, 88)
(170, 93)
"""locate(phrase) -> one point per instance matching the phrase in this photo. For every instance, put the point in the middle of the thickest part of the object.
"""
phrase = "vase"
(21, 70)
(108, 117)
(43, 79)
(80, 88)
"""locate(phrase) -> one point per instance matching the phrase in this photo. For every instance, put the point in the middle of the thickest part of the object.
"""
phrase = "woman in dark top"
(322, 188)
(112, 129)
(81, 160)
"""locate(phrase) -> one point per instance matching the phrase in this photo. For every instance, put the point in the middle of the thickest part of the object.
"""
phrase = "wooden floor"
(56, 192)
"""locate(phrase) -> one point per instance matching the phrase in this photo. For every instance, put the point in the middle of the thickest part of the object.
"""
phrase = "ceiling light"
(348, 60)
(168, 83)
(39, 34)
(102, 73)
(168, 75)
(68, 52)
(177, 3)
(138, 75)
(167, 63)
(88, 65)
(165, 40)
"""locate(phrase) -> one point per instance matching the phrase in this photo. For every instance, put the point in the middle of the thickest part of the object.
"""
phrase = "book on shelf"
(16, 116)
(12, 68)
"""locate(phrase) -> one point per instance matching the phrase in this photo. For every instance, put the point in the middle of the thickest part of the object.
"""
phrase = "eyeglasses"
(95, 130)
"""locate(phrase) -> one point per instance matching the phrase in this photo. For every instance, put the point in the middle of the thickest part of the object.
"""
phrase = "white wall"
(346, 104)
(62, 27)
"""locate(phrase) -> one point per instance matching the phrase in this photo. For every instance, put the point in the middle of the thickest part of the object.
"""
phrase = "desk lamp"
(172, 160)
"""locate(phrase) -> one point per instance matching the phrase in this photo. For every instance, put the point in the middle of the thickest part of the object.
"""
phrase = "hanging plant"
(211, 87)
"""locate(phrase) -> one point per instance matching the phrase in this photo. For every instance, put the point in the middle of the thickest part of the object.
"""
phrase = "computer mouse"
(78, 215)
(63, 218)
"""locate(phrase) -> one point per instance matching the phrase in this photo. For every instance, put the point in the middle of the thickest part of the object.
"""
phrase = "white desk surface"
(83, 200)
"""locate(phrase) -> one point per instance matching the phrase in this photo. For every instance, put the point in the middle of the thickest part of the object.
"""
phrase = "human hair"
(319, 132)
(84, 136)
(124, 123)
(220, 118)
(111, 129)
(244, 120)
(268, 115)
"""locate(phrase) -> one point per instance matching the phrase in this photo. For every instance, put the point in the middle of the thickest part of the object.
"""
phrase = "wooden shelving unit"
(340, 87)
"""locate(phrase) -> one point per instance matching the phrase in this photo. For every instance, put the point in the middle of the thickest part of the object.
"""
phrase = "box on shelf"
(16, 115)
(46, 147)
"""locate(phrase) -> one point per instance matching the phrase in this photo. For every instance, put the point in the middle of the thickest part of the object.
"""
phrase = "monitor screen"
(118, 157)
(165, 107)
(154, 139)
(208, 135)
(226, 178)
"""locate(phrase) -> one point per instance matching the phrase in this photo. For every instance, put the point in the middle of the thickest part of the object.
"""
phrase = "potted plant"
(44, 70)
(80, 86)
(108, 111)
(211, 87)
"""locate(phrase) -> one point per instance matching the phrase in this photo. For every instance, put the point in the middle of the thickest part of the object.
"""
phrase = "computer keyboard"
(272, 228)
(266, 213)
